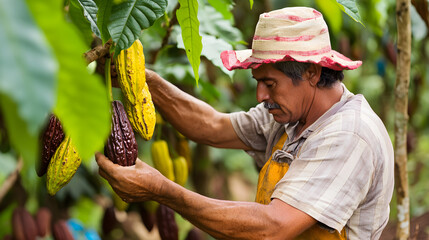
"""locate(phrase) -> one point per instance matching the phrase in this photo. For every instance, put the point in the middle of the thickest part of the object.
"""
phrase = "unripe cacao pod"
(23, 225)
(183, 149)
(121, 147)
(52, 137)
(166, 223)
(62, 167)
(43, 221)
(161, 159)
(130, 66)
(180, 170)
(109, 220)
(61, 231)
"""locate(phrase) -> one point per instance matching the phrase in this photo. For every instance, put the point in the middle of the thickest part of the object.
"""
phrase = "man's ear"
(313, 74)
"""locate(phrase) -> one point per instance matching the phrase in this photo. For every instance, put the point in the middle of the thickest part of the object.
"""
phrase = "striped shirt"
(341, 167)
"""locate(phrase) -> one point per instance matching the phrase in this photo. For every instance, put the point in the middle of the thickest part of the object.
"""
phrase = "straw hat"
(289, 34)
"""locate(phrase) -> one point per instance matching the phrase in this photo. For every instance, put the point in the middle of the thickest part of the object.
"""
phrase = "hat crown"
(290, 29)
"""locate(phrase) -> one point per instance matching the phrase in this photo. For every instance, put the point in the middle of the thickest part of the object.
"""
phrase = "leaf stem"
(108, 77)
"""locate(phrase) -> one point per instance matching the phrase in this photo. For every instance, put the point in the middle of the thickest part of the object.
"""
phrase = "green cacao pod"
(130, 66)
(166, 223)
(180, 167)
(61, 231)
(63, 166)
(52, 137)
(121, 147)
(161, 159)
(23, 225)
(183, 149)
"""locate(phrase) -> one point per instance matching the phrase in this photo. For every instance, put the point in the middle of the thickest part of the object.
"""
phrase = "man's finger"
(104, 163)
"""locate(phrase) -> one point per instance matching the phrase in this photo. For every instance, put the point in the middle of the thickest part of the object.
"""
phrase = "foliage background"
(48, 40)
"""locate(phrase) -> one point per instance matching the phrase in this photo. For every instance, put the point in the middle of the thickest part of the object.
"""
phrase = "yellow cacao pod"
(161, 159)
(142, 116)
(63, 166)
(183, 149)
(130, 65)
(180, 170)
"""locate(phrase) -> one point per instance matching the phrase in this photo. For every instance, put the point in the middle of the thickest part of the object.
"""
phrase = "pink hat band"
(289, 34)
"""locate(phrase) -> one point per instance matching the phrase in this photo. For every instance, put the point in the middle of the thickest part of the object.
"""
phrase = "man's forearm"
(221, 219)
(192, 117)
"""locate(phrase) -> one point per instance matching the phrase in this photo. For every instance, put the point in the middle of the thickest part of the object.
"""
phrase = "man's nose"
(261, 92)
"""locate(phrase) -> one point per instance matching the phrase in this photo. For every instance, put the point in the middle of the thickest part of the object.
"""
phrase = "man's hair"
(294, 70)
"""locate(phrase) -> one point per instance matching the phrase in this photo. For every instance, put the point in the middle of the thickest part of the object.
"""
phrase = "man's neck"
(324, 99)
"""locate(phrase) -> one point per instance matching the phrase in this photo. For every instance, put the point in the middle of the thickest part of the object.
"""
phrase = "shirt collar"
(290, 128)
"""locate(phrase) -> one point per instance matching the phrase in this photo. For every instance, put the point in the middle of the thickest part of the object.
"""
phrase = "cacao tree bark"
(401, 116)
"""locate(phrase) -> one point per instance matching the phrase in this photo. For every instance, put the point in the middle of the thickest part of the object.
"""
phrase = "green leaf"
(27, 65)
(76, 15)
(103, 16)
(251, 4)
(223, 6)
(351, 9)
(188, 20)
(332, 14)
(130, 17)
(23, 141)
(90, 10)
(82, 104)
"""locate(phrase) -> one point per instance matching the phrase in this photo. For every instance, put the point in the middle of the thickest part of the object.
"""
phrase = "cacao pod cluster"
(59, 158)
(174, 169)
(41, 226)
(130, 67)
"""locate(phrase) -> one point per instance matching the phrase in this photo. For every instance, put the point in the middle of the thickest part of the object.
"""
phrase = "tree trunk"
(401, 116)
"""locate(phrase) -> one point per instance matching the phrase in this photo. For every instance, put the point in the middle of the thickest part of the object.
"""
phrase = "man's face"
(287, 102)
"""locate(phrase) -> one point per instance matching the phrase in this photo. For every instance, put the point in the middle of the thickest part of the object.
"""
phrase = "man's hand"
(135, 183)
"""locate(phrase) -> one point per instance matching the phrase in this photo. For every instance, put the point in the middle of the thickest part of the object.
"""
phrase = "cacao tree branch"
(10, 180)
(401, 116)
(172, 22)
(98, 52)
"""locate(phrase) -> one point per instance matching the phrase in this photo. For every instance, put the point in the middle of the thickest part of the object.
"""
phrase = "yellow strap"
(269, 176)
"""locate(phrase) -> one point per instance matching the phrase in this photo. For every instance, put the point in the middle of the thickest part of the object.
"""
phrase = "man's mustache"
(269, 106)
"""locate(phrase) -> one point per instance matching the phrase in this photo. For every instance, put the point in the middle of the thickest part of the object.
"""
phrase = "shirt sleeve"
(255, 128)
(329, 177)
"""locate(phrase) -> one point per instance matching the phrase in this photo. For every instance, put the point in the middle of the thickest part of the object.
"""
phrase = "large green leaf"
(332, 14)
(76, 14)
(82, 104)
(25, 143)
(351, 9)
(129, 18)
(103, 16)
(27, 66)
(223, 6)
(188, 20)
(90, 10)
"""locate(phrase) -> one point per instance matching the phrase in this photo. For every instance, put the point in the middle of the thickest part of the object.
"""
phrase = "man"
(326, 158)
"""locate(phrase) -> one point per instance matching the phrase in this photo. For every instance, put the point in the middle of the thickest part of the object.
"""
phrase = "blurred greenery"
(80, 96)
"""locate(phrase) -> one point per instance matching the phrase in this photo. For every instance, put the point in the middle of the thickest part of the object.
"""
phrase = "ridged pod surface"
(52, 137)
(166, 223)
(63, 166)
(180, 170)
(121, 147)
(161, 159)
(130, 66)
(142, 115)
(23, 225)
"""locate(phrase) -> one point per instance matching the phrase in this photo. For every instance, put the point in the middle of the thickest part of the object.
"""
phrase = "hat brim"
(243, 59)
